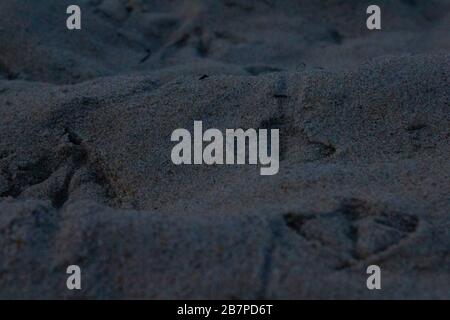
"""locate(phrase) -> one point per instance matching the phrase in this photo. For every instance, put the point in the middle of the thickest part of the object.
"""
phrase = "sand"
(86, 176)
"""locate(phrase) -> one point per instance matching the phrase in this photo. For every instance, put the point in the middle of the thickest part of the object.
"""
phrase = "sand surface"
(86, 176)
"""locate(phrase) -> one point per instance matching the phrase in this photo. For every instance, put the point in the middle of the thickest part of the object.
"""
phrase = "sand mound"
(120, 36)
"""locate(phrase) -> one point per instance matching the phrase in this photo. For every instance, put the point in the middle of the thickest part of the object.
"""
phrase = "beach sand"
(86, 176)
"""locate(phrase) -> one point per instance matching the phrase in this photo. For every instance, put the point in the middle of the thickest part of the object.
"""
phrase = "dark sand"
(85, 170)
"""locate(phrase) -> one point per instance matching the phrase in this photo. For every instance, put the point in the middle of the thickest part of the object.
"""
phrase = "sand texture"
(86, 176)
